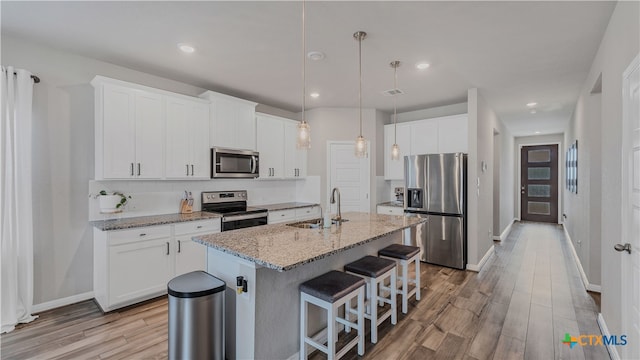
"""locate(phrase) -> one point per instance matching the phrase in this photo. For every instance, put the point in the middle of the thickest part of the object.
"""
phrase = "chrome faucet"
(338, 217)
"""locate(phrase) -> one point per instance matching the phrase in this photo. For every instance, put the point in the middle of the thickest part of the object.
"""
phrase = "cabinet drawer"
(390, 210)
(275, 217)
(143, 233)
(310, 212)
(212, 225)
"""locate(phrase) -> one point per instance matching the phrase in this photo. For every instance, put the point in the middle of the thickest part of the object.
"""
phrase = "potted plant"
(112, 202)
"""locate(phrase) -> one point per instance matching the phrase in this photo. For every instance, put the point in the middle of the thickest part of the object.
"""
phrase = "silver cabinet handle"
(191, 169)
(143, 234)
(138, 169)
(626, 247)
(167, 248)
(199, 227)
(131, 169)
(179, 243)
(187, 169)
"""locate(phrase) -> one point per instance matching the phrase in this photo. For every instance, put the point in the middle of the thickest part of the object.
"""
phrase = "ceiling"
(515, 52)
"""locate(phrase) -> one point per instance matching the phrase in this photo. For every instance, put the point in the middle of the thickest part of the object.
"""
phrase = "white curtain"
(16, 220)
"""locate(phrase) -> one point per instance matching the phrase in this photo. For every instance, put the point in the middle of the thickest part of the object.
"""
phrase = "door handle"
(179, 245)
(187, 169)
(131, 169)
(620, 248)
(167, 248)
(191, 169)
(138, 169)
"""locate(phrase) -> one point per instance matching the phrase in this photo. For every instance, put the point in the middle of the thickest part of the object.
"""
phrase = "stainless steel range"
(232, 205)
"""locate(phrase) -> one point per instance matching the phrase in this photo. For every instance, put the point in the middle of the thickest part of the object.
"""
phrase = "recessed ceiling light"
(422, 65)
(186, 48)
(533, 111)
(537, 132)
(314, 95)
(532, 104)
(315, 55)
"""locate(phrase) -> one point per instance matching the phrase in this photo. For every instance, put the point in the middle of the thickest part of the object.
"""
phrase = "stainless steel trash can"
(196, 317)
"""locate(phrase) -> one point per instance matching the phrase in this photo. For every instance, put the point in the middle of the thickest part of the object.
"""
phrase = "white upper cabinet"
(129, 132)
(147, 133)
(424, 137)
(394, 169)
(453, 134)
(295, 160)
(233, 121)
(279, 157)
(446, 134)
(187, 141)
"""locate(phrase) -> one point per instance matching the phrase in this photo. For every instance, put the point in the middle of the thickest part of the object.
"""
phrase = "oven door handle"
(244, 217)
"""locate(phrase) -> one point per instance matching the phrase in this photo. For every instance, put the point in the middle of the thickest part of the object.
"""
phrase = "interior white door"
(631, 212)
(350, 175)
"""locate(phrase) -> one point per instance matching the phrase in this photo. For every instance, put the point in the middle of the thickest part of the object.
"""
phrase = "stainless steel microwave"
(233, 163)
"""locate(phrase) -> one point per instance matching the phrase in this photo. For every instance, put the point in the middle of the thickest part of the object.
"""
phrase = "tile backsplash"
(163, 197)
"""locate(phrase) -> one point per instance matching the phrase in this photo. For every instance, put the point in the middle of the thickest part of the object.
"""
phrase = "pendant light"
(304, 130)
(395, 149)
(361, 144)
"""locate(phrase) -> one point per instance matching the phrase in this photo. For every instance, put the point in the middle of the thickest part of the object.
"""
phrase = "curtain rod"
(35, 78)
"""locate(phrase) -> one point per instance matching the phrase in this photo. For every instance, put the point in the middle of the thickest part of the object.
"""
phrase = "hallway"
(519, 306)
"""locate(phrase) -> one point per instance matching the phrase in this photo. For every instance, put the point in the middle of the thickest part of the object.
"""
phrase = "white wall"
(341, 124)
(429, 113)
(482, 122)
(63, 162)
(619, 46)
(507, 178)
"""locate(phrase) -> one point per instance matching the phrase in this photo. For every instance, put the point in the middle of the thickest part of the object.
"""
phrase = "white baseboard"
(485, 258)
(506, 231)
(613, 353)
(61, 302)
(585, 281)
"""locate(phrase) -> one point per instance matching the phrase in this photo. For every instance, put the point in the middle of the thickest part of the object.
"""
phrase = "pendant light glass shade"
(304, 136)
(395, 152)
(395, 149)
(304, 130)
(361, 143)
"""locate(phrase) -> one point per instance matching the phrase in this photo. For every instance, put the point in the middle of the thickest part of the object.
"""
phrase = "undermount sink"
(311, 224)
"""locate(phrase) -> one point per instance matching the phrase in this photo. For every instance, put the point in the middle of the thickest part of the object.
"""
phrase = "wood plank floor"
(518, 307)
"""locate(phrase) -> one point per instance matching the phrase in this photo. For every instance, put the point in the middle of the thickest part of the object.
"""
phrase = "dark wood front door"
(539, 183)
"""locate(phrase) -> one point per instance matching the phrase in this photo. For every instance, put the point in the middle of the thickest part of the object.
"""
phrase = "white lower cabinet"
(135, 265)
(304, 213)
(390, 210)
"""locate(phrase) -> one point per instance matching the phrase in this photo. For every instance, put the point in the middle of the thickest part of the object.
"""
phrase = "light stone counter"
(282, 247)
(286, 206)
(142, 221)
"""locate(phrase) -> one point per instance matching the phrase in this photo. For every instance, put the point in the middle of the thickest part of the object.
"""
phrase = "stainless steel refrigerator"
(436, 188)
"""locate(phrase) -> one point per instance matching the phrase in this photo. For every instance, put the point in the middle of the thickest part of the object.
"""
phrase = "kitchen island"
(274, 260)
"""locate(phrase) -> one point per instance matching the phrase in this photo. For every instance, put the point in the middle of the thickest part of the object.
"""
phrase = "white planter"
(109, 203)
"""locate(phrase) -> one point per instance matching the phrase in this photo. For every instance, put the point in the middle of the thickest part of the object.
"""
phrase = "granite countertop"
(286, 206)
(141, 221)
(281, 247)
(392, 203)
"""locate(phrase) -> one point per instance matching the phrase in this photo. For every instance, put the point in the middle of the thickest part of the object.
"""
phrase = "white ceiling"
(516, 52)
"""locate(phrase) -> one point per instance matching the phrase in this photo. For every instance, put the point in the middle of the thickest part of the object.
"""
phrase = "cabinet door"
(270, 146)
(424, 137)
(200, 151)
(190, 256)
(118, 132)
(452, 134)
(139, 270)
(394, 169)
(245, 127)
(223, 127)
(178, 139)
(149, 135)
(290, 155)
